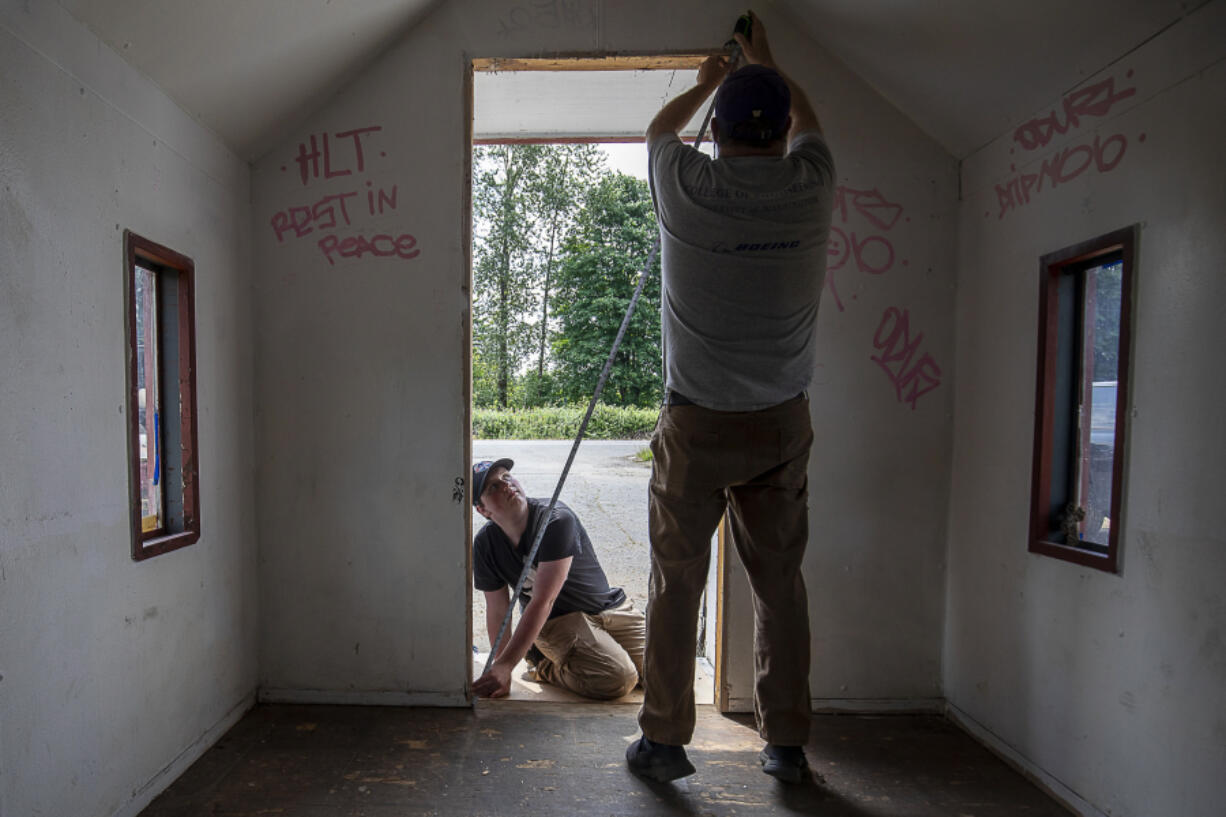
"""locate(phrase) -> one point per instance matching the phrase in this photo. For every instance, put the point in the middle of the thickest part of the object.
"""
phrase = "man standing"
(588, 637)
(743, 252)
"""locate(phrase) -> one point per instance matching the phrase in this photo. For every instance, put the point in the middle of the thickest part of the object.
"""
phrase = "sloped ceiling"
(964, 70)
(967, 71)
(249, 70)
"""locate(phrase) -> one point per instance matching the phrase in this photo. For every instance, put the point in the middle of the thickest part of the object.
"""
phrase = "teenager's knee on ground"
(601, 675)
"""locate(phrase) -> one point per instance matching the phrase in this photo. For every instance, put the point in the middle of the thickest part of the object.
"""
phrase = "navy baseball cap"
(752, 104)
(481, 470)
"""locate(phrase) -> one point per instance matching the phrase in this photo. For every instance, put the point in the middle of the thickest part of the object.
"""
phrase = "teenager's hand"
(494, 684)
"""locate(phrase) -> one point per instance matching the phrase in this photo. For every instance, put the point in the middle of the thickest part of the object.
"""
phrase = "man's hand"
(712, 71)
(681, 109)
(756, 49)
(494, 684)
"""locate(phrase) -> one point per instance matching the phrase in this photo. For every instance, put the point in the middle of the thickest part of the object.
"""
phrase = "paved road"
(606, 488)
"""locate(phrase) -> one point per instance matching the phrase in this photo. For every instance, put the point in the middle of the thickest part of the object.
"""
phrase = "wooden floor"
(544, 758)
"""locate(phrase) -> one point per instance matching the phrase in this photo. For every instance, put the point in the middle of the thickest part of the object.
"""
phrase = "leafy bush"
(562, 423)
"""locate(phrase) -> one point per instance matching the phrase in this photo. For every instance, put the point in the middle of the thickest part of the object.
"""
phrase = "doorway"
(553, 102)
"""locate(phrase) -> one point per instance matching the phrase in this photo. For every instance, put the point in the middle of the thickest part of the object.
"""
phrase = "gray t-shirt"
(743, 252)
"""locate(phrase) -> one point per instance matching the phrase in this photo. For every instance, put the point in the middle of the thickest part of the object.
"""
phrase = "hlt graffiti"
(1096, 100)
(912, 378)
(869, 252)
(319, 155)
(327, 156)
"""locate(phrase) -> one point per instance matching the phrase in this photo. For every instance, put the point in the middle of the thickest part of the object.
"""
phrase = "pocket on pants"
(682, 458)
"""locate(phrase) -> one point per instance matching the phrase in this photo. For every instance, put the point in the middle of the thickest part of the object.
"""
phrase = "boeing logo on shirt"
(750, 248)
(745, 246)
(767, 245)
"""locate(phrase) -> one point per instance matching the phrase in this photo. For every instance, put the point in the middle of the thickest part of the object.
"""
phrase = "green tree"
(1108, 281)
(564, 175)
(503, 265)
(601, 260)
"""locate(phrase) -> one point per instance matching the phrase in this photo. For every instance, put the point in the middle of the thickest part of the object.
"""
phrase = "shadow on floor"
(510, 758)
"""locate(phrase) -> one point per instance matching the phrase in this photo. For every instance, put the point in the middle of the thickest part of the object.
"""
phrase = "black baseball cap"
(481, 470)
(752, 104)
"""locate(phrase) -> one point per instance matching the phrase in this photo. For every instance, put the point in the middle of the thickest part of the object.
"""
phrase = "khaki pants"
(754, 465)
(596, 656)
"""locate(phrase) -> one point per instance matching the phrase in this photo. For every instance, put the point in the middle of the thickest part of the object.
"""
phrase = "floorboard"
(546, 758)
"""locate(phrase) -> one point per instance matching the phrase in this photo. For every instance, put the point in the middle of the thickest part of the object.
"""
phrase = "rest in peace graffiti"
(326, 156)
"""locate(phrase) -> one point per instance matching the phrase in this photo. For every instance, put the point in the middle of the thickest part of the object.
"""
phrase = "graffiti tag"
(864, 249)
(325, 156)
(1094, 101)
(912, 377)
(1104, 155)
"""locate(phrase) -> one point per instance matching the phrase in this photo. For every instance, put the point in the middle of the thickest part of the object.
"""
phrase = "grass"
(562, 423)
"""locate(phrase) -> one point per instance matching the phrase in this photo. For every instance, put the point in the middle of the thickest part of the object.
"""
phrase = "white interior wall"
(114, 675)
(1111, 687)
(362, 392)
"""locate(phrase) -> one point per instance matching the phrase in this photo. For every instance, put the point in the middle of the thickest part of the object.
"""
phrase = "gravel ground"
(606, 487)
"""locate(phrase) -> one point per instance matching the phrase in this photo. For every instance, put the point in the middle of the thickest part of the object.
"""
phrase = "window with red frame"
(162, 464)
(1085, 307)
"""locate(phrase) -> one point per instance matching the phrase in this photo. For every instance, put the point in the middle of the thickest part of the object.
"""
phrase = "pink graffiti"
(356, 246)
(868, 203)
(1096, 100)
(328, 213)
(869, 253)
(912, 380)
(319, 159)
(1064, 166)
(872, 254)
(323, 215)
(316, 161)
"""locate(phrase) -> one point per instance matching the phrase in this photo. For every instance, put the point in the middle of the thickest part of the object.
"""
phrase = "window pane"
(1102, 341)
(148, 382)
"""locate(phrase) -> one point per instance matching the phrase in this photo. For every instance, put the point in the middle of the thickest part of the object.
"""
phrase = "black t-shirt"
(497, 562)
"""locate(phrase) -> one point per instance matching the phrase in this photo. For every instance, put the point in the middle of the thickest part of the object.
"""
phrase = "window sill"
(156, 546)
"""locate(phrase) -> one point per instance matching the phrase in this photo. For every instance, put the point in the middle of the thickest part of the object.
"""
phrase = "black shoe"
(787, 763)
(658, 761)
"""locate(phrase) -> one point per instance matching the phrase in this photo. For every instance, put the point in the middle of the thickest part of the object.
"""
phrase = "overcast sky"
(631, 157)
(628, 157)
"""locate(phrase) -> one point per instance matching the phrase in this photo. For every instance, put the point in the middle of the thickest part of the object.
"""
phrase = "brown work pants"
(755, 465)
(596, 655)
